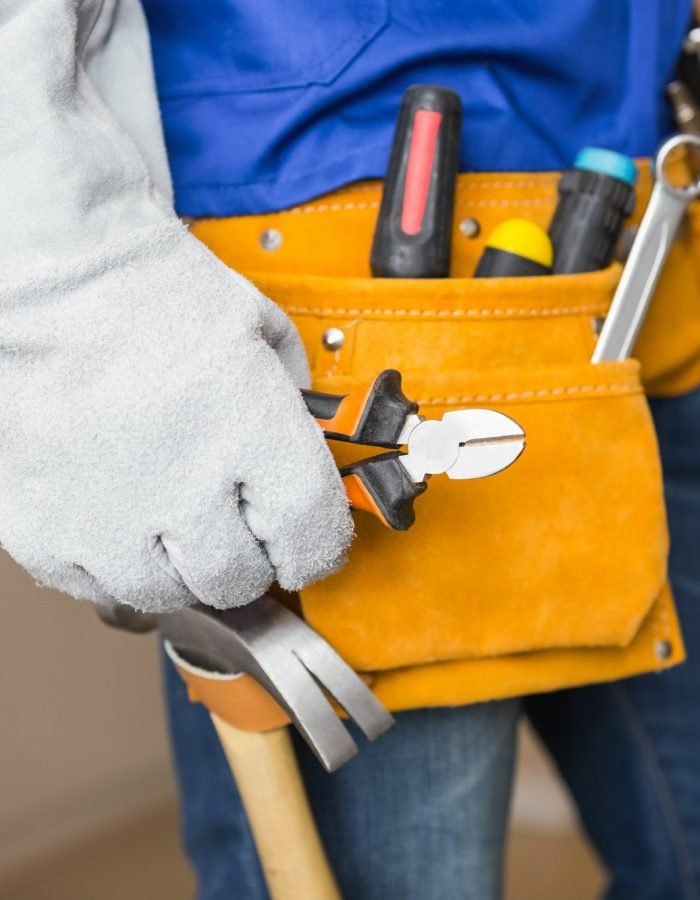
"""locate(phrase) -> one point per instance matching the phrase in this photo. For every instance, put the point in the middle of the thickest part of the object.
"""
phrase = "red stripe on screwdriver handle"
(421, 155)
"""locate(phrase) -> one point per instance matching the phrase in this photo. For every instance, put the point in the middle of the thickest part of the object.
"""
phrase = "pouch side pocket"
(669, 343)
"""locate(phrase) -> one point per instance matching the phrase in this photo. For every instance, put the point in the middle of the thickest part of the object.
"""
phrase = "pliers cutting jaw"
(465, 443)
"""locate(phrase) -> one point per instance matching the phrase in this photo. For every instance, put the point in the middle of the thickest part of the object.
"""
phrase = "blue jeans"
(630, 751)
(421, 814)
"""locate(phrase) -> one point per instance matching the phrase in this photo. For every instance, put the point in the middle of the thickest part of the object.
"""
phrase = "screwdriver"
(516, 248)
(596, 195)
(413, 234)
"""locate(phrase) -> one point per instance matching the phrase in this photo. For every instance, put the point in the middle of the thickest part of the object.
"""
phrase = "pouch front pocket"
(566, 548)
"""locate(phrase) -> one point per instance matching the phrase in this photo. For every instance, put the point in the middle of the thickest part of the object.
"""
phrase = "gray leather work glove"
(154, 447)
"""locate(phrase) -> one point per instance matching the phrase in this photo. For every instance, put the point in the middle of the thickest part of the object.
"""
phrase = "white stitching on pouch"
(476, 186)
(444, 313)
(334, 207)
(524, 395)
(515, 204)
(374, 204)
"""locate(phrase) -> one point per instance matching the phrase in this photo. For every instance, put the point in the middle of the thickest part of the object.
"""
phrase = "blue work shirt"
(268, 103)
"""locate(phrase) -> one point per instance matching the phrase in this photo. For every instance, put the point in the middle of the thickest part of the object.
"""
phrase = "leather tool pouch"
(564, 551)
(567, 548)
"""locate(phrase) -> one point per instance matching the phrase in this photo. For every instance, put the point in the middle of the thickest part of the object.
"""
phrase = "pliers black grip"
(464, 444)
(373, 416)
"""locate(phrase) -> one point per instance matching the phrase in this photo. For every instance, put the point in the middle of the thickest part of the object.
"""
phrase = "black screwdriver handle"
(413, 235)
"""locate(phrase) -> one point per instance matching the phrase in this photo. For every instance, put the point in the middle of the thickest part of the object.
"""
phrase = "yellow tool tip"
(523, 238)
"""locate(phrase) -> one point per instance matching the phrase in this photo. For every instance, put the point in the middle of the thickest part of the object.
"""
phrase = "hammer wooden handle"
(274, 797)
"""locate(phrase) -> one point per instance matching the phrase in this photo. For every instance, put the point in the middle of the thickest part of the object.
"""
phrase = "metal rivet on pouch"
(663, 649)
(333, 338)
(271, 239)
(470, 228)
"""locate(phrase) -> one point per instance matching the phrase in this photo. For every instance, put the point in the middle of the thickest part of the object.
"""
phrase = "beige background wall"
(82, 736)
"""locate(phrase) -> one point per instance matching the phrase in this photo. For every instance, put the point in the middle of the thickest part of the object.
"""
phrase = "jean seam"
(663, 792)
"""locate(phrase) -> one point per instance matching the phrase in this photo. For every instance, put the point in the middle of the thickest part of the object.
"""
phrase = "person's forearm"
(80, 146)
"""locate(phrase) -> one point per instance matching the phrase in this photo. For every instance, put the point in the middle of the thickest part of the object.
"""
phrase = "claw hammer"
(289, 660)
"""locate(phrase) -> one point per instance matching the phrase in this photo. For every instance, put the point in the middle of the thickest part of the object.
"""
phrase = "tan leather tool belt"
(552, 573)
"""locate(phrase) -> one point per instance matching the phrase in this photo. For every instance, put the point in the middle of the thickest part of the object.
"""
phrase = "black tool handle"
(374, 415)
(414, 229)
(380, 485)
(588, 220)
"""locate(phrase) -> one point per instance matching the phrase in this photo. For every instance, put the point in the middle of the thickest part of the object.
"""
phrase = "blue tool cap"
(607, 162)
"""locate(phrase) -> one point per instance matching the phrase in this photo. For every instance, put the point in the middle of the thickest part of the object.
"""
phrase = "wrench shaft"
(641, 274)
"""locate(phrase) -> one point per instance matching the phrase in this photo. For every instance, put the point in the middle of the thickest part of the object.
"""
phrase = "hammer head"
(291, 661)
(288, 658)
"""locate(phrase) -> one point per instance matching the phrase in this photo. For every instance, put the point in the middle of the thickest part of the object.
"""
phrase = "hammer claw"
(352, 693)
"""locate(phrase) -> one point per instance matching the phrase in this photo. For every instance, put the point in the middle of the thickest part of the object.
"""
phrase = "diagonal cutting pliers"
(464, 443)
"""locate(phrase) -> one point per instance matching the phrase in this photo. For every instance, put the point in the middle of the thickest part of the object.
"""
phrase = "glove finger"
(215, 556)
(116, 581)
(78, 582)
(306, 539)
(279, 332)
(292, 497)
